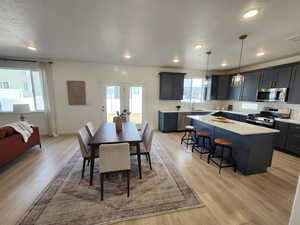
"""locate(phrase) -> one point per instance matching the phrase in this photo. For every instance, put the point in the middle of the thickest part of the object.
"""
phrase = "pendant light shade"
(238, 79)
(206, 72)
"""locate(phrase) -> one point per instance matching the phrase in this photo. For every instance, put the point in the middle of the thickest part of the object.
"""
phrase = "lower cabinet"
(288, 139)
(281, 137)
(293, 139)
(168, 121)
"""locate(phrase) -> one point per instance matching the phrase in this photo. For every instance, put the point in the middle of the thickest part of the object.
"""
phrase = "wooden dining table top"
(107, 134)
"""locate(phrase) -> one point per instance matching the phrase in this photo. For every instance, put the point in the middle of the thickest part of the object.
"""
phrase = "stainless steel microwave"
(272, 95)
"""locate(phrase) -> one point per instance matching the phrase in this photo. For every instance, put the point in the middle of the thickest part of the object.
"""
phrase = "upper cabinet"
(219, 87)
(294, 93)
(251, 84)
(276, 77)
(171, 86)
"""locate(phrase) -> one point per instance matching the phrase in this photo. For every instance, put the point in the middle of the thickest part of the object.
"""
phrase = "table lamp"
(22, 109)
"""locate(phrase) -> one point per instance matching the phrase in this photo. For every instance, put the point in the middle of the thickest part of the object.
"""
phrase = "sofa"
(12, 144)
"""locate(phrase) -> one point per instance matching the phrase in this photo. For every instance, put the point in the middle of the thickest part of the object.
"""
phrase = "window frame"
(190, 101)
(33, 87)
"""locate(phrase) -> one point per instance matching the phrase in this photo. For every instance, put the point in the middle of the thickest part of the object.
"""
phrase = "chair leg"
(101, 185)
(149, 157)
(128, 182)
(183, 137)
(83, 168)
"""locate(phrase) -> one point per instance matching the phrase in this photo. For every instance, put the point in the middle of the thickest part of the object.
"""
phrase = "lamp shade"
(21, 108)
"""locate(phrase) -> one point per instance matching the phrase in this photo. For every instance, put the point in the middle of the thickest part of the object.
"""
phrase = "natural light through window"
(194, 90)
(136, 104)
(112, 102)
(19, 86)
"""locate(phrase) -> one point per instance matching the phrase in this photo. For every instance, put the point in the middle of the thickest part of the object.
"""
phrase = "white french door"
(119, 97)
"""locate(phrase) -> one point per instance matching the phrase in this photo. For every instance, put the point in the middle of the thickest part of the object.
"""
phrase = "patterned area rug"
(70, 200)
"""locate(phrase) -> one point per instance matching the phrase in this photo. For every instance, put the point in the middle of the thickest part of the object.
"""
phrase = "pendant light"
(238, 79)
(206, 72)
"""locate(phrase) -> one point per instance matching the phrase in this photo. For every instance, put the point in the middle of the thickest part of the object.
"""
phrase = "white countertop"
(235, 126)
(186, 111)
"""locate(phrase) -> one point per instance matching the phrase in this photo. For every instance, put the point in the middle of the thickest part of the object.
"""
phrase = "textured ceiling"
(152, 31)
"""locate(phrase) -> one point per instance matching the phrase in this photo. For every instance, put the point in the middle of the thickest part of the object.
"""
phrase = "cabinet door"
(168, 122)
(166, 87)
(284, 77)
(251, 85)
(171, 86)
(178, 82)
(293, 139)
(294, 93)
(269, 78)
(223, 87)
(281, 137)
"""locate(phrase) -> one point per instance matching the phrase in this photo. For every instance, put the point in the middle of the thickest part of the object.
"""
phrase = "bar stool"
(202, 149)
(187, 138)
(224, 145)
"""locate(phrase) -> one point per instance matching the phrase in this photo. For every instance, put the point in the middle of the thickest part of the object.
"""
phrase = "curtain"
(46, 69)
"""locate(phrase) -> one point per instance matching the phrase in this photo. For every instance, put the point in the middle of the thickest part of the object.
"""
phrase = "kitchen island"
(252, 145)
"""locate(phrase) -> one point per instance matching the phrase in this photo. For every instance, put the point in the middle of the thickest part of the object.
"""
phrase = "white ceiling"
(152, 31)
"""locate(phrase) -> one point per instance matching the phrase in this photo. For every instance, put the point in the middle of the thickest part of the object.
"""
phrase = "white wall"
(71, 118)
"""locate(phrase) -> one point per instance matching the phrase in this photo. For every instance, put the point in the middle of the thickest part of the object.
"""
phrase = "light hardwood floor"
(230, 199)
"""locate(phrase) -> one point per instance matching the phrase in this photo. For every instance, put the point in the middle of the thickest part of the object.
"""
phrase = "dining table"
(107, 134)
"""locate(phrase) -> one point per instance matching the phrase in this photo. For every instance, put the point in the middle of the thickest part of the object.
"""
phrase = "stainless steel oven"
(272, 95)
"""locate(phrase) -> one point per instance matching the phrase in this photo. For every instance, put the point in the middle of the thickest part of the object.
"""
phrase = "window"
(4, 85)
(194, 90)
(21, 86)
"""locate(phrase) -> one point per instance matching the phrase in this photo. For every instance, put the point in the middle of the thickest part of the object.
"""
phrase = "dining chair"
(114, 158)
(143, 130)
(90, 128)
(85, 149)
(146, 146)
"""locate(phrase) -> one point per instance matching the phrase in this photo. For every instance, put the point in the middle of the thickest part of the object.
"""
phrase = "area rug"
(68, 199)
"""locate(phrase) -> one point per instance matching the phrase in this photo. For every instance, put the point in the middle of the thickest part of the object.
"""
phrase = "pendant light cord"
(207, 62)
(241, 54)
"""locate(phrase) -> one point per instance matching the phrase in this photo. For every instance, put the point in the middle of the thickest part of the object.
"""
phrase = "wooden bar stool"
(187, 138)
(202, 148)
(224, 145)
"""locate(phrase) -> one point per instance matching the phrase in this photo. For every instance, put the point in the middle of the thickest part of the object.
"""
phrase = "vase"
(118, 122)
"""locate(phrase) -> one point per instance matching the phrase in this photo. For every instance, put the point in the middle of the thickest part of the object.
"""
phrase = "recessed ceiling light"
(32, 48)
(176, 60)
(127, 56)
(198, 45)
(260, 54)
(224, 64)
(250, 13)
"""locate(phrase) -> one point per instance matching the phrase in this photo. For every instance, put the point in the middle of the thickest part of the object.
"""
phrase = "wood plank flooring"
(230, 199)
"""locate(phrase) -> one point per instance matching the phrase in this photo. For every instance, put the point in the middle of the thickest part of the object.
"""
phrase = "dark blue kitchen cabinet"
(168, 121)
(293, 139)
(294, 92)
(251, 84)
(171, 86)
(219, 86)
(281, 137)
(269, 78)
(284, 76)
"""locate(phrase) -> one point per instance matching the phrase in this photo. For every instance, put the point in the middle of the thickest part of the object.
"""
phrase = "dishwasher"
(183, 120)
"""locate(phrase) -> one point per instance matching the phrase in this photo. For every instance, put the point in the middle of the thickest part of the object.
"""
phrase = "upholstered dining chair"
(91, 128)
(143, 130)
(114, 158)
(146, 146)
(85, 149)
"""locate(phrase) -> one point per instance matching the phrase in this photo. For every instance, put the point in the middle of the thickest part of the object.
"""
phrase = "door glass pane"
(136, 104)
(112, 102)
